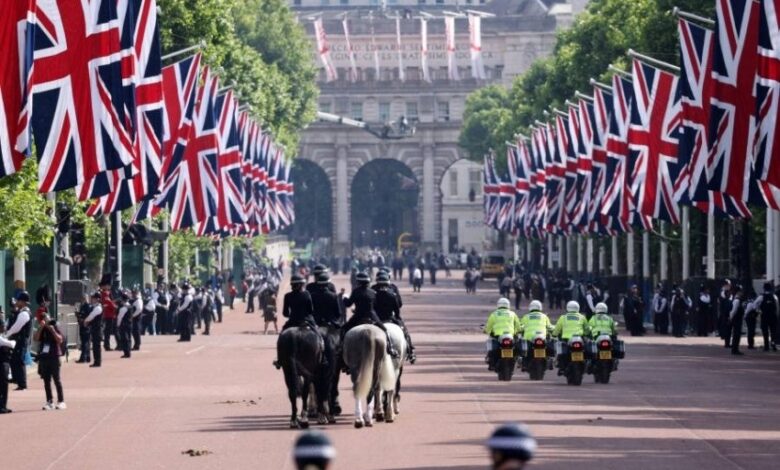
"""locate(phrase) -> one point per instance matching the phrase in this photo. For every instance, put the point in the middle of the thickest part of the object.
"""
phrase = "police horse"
(300, 352)
(371, 370)
(389, 390)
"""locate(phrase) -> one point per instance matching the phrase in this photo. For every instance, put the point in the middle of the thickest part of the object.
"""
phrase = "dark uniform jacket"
(326, 305)
(298, 307)
(363, 299)
(386, 304)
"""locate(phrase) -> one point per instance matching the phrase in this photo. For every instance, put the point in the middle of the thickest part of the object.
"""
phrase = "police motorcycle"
(571, 359)
(604, 353)
(505, 359)
(535, 356)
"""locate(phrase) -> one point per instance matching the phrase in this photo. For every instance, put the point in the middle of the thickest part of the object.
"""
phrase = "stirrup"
(277, 365)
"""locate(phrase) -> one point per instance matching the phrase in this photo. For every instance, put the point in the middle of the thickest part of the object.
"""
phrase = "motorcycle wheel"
(574, 375)
(602, 373)
(536, 370)
(505, 370)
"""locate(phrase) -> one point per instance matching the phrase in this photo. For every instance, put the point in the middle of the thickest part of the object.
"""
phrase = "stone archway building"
(521, 32)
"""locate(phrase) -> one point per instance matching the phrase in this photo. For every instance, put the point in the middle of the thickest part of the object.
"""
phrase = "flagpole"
(619, 71)
(652, 61)
(686, 243)
(690, 16)
(198, 46)
(598, 84)
(710, 245)
(664, 252)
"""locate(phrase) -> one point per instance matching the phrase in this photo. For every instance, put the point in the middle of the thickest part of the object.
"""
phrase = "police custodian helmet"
(296, 279)
(313, 449)
(511, 442)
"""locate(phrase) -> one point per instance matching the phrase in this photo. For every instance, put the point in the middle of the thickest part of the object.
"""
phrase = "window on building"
(453, 183)
(411, 111)
(475, 182)
(357, 111)
(384, 112)
(325, 106)
(344, 2)
(421, 2)
(443, 111)
(452, 235)
(413, 73)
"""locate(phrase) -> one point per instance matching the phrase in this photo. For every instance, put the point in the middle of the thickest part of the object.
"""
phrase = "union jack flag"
(695, 89)
(654, 135)
(289, 192)
(767, 129)
(584, 164)
(490, 190)
(617, 202)
(602, 107)
(506, 205)
(282, 189)
(230, 210)
(555, 182)
(77, 94)
(573, 136)
(191, 190)
(261, 182)
(271, 199)
(143, 76)
(519, 163)
(15, 57)
(734, 67)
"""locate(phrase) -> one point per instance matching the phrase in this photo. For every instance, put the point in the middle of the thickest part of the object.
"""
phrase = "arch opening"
(313, 204)
(384, 196)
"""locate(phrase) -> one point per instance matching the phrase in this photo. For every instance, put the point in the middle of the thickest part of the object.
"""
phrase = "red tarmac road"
(674, 404)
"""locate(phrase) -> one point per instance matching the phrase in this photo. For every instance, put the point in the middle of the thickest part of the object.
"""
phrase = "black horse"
(300, 352)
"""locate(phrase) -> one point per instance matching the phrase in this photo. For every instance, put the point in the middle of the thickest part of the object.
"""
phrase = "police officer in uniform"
(533, 323)
(124, 322)
(725, 303)
(501, 321)
(6, 346)
(680, 305)
(184, 314)
(94, 321)
(315, 284)
(703, 312)
(84, 332)
(313, 451)
(769, 307)
(511, 447)
(736, 315)
(137, 312)
(633, 309)
(570, 324)
(327, 311)
(388, 308)
(363, 298)
(19, 331)
(298, 308)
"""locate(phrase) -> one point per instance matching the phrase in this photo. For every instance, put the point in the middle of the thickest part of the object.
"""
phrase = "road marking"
(191, 351)
(92, 429)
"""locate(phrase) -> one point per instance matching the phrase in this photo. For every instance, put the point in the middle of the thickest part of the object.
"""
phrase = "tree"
(487, 122)
(25, 215)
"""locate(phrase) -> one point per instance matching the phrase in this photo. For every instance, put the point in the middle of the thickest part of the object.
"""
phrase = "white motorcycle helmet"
(601, 307)
(503, 302)
(535, 306)
(573, 307)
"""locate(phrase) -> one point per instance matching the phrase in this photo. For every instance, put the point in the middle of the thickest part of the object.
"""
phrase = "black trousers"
(751, 321)
(661, 322)
(147, 323)
(184, 326)
(4, 369)
(736, 331)
(702, 323)
(96, 340)
(49, 368)
(136, 331)
(109, 328)
(84, 337)
(678, 324)
(125, 334)
(250, 304)
(207, 320)
(769, 330)
(18, 368)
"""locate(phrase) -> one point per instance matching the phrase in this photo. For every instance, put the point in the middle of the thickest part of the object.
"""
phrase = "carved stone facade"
(521, 32)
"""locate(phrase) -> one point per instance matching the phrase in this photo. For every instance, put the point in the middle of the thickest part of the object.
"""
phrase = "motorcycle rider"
(602, 323)
(534, 322)
(572, 323)
(501, 321)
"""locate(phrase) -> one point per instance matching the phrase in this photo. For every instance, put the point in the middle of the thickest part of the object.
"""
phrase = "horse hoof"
(304, 425)
(322, 419)
(312, 414)
(331, 419)
(389, 420)
(369, 424)
(294, 425)
(336, 410)
(358, 423)
(380, 418)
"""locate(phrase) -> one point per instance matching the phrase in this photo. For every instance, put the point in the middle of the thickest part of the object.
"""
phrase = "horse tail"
(365, 380)
(379, 362)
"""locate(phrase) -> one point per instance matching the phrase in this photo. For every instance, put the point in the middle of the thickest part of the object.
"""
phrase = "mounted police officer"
(316, 284)
(388, 308)
(298, 308)
(363, 298)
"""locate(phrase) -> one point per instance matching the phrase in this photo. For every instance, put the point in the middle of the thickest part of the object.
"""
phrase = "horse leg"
(368, 416)
(321, 384)
(304, 420)
(311, 405)
(379, 411)
(292, 394)
(389, 397)
(358, 413)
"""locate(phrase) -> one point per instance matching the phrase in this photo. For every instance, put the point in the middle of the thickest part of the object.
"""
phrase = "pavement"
(674, 404)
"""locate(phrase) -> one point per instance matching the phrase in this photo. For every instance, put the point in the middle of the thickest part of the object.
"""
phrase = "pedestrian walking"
(50, 349)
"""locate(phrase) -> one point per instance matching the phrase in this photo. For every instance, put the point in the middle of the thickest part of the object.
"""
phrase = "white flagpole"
(401, 72)
(449, 30)
(424, 50)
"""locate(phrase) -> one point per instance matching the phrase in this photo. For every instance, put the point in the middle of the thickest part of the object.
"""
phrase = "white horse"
(389, 386)
(365, 353)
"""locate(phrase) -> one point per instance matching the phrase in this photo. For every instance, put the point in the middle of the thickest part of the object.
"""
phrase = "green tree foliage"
(25, 215)
(257, 47)
(487, 122)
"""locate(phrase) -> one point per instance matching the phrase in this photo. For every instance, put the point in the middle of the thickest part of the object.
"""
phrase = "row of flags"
(639, 148)
(83, 82)
(475, 48)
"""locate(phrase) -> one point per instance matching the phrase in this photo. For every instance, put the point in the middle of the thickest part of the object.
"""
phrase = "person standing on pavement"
(125, 324)
(770, 311)
(736, 316)
(752, 311)
(94, 322)
(20, 331)
(50, 349)
(633, 308)
(109, 314)
(417, 279)
(680, 306)
(725, 303)
(660, 311)
(137, 312)
(6, 347)
(84, 336)
(183, 313)
(511, 447)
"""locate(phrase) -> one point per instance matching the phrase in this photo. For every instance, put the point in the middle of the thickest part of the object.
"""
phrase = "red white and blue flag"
(490, 191)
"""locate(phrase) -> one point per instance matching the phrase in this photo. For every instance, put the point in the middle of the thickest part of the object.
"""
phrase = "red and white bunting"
(353, 73)
(426, 73)
(399, 49)
(324, 50)
(475, 45)
(449, 33)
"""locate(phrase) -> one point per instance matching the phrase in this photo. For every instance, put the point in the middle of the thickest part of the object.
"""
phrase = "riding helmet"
(296, 279)
(362, 277)
(23, 296)
(511, 441)
(313, 449)
(382, 278)
(323, 277)
(318, 268)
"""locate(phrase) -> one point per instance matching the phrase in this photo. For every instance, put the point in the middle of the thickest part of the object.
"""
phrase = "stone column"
(428, 203)
(630, 254)
(662, 262)
(615, 265)
(710, 246)
(686, 243)
(342, 245)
